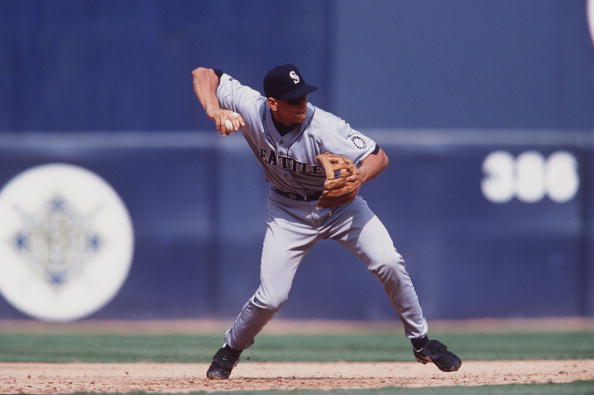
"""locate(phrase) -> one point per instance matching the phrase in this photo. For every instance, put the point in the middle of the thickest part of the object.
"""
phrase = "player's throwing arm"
(205, 83)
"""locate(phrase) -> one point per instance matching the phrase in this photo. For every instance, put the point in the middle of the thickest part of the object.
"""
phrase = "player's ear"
(272, 103)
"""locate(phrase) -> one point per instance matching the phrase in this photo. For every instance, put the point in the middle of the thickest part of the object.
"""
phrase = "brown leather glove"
(337, 190)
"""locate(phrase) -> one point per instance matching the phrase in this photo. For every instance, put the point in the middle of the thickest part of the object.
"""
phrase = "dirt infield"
(50, 378)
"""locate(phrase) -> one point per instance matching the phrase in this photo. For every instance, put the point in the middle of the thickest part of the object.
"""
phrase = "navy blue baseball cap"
(286, 82)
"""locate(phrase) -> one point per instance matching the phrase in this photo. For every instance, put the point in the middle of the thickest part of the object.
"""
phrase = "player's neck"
(282, 128)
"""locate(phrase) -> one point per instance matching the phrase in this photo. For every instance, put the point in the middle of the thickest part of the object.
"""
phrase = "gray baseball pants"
(292, 228)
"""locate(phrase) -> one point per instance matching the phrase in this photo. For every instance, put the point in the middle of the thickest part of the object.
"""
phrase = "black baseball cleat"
(437, 352)
(223, 363)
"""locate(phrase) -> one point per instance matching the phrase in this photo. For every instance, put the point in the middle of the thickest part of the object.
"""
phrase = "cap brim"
(300, 91)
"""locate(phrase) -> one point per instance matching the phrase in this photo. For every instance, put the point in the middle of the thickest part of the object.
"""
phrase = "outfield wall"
(119, 65)
(497, 226)
(484, 107)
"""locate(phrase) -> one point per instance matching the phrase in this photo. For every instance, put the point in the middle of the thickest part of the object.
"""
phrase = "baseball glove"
(337, 190)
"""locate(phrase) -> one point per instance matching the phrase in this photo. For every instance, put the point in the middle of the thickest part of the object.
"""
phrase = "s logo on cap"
(294, 77)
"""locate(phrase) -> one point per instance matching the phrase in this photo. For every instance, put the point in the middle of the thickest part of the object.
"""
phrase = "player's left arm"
(371, 166)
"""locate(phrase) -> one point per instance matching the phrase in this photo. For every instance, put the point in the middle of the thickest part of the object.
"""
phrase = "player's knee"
(269, 302)
(272, 303)
(387, 266)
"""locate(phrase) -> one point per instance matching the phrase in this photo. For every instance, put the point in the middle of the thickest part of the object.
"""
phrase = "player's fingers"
(353, 178)
(218, 124)
(239, 119)
(228, 126)
(335, 183)
(224, 130)
(223, 125)
(228, 122)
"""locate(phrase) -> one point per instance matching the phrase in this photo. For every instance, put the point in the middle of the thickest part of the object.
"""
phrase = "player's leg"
(359, 229)
(283, 249)
(285, 244)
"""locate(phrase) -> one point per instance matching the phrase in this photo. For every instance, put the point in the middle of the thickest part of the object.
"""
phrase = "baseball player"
(315, 163)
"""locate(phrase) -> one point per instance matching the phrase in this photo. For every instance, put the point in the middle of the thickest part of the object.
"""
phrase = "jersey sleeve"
(338, 137)
(232, 95)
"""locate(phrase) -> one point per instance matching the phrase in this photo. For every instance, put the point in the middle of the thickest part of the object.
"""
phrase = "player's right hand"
(226, 121)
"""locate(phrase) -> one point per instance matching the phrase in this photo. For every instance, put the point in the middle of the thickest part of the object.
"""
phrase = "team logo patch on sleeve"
(359, 142)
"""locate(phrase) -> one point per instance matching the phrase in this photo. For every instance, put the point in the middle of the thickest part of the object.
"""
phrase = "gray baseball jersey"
(289, 161)
(294, 224)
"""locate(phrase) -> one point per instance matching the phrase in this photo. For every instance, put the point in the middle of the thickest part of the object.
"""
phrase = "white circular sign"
(66, 242)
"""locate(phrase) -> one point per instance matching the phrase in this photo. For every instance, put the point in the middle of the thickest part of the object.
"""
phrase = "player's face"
(289, 111)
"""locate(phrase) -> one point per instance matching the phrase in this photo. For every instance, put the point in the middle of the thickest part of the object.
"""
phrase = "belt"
(297, 196)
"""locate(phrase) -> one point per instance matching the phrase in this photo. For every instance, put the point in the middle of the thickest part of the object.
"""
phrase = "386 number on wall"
(530, 177)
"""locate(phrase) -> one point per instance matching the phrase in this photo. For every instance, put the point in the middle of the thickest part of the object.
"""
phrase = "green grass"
(24, 347)
(70, 347)
(575, 388)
